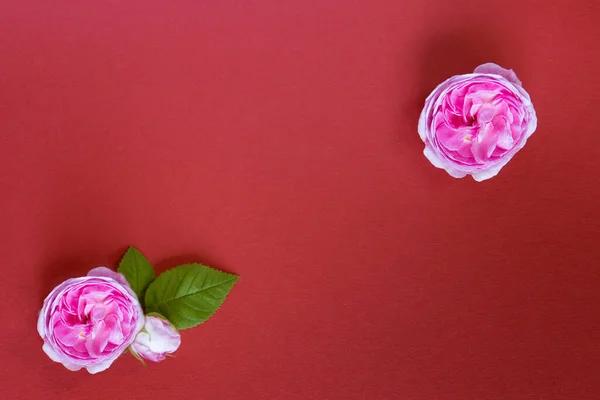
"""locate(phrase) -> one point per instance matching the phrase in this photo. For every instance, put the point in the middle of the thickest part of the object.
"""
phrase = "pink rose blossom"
(88, 322)
(474, 124)
(157, 339)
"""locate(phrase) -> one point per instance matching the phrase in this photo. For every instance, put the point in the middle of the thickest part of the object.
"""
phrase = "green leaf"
(138, 271)
(189, 294)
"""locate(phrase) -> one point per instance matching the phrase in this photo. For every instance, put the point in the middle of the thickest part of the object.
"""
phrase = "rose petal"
(108, 273)
(485, 143)
(114, 327)
(491, 68)
(51, 353)
(94, 369)
(486, 174)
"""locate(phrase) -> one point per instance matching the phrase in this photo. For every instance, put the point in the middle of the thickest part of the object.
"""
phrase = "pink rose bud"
(88, 322)
(474, 124)
(157, 339)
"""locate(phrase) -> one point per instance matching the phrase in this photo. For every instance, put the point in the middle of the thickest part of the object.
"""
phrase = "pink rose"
(157, 339)
(88, 322)
(474, 124)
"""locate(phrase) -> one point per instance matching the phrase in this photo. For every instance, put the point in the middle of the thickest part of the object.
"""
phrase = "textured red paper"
(277, 139)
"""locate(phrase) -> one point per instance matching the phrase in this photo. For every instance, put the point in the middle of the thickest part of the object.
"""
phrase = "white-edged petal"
(51, 353)
(433, 158)
(439, 163)
(94, 369)
(487, 174)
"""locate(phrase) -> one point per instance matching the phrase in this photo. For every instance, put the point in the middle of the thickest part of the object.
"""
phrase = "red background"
(276, 139)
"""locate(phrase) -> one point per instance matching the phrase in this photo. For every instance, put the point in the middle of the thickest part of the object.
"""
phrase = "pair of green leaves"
(186, 295)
